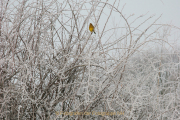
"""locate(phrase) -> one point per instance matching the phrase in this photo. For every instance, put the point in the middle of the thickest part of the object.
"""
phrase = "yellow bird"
(91, 28)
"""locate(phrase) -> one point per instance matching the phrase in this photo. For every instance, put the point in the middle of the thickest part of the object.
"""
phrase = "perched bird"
(91, 28)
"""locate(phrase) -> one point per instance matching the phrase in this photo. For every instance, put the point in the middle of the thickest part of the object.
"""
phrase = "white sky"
(169, 8)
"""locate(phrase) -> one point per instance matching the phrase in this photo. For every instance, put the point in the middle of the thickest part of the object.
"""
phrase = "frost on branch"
(50, 63)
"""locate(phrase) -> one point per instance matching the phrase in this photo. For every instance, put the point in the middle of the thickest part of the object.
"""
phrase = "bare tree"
(52, 67)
